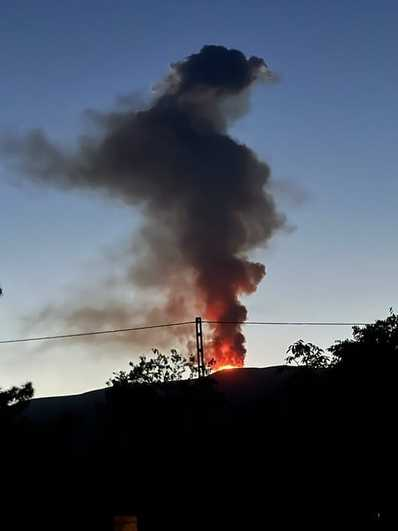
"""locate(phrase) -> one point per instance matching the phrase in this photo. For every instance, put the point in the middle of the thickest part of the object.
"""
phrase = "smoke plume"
(206, 197)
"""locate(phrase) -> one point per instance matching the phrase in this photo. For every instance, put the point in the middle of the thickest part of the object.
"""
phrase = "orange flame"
(225, 344)
(223, 354)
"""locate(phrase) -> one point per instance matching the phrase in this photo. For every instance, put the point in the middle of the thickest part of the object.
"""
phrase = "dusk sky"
(327, 128)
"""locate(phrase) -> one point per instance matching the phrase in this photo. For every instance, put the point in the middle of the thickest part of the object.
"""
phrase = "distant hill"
(239, 386)
(280, 445)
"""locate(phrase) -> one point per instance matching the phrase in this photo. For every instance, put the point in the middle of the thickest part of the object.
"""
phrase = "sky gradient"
(327, 129)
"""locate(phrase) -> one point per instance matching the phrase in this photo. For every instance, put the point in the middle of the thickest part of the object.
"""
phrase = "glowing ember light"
(222, 350)
(226, 367)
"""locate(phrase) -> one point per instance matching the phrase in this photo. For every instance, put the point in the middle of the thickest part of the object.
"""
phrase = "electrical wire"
(94, 333)
(168, 325)
(286, 323)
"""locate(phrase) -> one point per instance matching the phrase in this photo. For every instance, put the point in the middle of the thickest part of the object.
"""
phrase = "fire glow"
(226, 368)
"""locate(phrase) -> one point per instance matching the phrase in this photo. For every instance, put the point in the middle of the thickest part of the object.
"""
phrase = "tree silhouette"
(374, 345)
(16, 396)
(12, 402)
(159, 368)
(307, 355)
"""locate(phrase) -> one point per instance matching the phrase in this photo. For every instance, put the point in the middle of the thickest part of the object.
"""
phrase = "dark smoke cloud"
(206, 197)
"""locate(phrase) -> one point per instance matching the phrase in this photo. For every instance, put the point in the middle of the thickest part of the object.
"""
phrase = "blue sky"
(328, 130)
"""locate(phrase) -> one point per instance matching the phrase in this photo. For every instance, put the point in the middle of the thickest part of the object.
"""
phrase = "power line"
(286, 323)
(94, 333)
(168, 325)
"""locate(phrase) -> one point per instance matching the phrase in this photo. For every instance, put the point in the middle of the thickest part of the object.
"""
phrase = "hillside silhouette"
(241, 449)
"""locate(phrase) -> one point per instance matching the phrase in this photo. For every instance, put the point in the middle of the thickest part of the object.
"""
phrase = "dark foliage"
(16, 395)
(12, 402)
(373, 346)
(159, 368)
(307, 354)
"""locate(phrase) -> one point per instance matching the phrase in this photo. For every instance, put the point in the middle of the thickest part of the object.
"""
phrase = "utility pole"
(199, 347)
